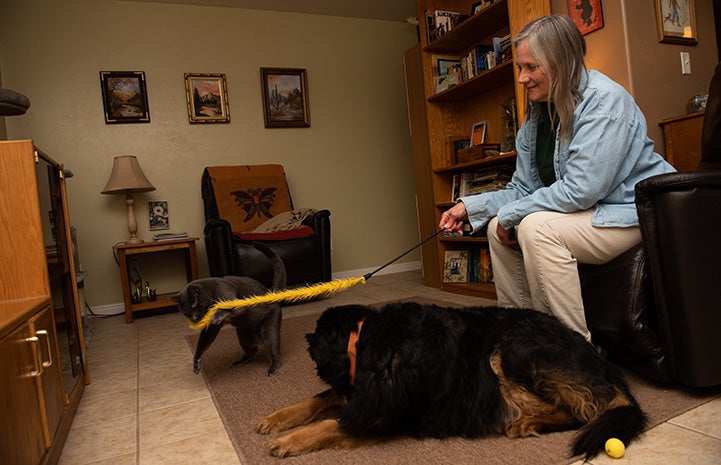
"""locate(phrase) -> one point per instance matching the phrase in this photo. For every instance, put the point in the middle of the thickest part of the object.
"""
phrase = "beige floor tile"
(704, 419)
(99, 409)
(210, 449)
(179, 422)
(110, 383)
(173, 371)
(100, 441)
(668, 444)
(158, 396)
(128, 459)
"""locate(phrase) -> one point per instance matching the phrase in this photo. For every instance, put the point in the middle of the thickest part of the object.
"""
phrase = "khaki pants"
(545, 275)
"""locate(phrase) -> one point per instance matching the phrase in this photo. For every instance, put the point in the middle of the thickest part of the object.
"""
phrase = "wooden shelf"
(466, 34)
(482, 162)
(498, 76)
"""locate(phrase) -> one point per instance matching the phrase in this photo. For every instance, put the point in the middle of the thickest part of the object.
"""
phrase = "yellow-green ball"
(615, 448)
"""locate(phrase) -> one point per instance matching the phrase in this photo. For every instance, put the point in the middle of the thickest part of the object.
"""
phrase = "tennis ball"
(615, 448)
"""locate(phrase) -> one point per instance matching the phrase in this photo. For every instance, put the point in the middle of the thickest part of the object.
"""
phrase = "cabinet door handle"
(49, 362)
(36, 356)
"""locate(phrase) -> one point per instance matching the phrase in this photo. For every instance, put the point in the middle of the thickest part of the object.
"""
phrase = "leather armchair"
(656, 308)
(306, 257)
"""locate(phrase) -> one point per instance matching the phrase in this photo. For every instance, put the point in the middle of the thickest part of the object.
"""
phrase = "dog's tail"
(625, 423)
(279, 273)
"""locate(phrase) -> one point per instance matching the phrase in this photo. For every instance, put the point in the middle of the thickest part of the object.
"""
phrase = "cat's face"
(193, 301)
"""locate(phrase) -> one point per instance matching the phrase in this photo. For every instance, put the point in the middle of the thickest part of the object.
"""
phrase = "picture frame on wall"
(478, 133)
(125, 97)
(285, 97)
(586, 14)
(676, 21)
(207, 98)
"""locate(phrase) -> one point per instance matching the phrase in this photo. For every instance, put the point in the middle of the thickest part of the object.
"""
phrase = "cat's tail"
(279, 273)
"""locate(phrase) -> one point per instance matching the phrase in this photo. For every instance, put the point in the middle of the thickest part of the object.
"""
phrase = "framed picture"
(446, 82)
(478, 133)
(446, 66)
(158, 215)
(285, 98)
(125, 98)
(587, 14)
(676, 21)
(207, 97)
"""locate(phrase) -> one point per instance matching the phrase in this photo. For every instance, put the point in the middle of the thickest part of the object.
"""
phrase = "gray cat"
(259, 323)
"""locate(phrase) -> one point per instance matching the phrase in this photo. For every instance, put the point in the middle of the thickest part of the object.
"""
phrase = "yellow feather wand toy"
(299, 294)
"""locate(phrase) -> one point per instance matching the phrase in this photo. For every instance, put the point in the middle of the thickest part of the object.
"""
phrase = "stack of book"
(169, 236)
(479, 181)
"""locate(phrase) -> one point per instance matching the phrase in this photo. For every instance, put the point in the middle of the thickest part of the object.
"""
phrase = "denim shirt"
(598, 166)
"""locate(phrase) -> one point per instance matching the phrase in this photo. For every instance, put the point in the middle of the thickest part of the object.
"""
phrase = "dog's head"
(328, 345)
(193, 301)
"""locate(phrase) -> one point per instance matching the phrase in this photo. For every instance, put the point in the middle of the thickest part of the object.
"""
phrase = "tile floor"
(144, 402)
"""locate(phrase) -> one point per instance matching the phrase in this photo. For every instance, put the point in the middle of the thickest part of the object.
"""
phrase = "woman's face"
(531, 75)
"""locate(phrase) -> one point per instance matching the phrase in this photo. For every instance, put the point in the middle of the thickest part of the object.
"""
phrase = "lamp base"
(134, 240)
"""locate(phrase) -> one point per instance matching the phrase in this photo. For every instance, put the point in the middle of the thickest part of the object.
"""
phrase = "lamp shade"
(127, 176)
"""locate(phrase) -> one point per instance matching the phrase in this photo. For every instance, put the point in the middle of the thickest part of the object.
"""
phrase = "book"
(440, 22)
(455, 266)
(169, 236)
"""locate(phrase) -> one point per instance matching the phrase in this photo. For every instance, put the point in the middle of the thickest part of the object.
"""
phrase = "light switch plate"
(685, 63)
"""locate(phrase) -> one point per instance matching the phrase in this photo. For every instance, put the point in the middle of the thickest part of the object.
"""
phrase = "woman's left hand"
(507, 236)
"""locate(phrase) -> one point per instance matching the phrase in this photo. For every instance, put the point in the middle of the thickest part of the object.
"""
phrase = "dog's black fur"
(427, 371)
(259, 323)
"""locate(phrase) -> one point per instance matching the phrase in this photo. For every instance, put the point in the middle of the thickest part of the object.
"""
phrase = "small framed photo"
(446, 66)
(125, 98)
(158, 215)
(285, 98)
(676, 21)
(587, 14)
(478, 133)
(447, 81)
(478, 6)
(207, 97)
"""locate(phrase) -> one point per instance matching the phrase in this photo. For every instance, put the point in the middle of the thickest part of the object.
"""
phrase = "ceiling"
(390, 10)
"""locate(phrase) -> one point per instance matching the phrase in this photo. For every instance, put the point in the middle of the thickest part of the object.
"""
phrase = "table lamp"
(126, 178)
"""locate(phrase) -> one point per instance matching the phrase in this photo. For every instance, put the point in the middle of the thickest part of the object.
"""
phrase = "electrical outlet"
(685, 63)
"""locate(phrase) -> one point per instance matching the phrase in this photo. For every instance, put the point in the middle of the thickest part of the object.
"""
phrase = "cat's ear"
(175, 298)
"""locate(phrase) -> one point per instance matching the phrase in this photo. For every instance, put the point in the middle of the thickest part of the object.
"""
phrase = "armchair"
(244, 204)
(656, 308)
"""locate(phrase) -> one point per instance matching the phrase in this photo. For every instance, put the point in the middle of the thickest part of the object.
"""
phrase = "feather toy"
(300, 294)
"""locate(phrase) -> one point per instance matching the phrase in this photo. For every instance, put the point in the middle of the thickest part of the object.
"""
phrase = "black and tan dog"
(427, 371)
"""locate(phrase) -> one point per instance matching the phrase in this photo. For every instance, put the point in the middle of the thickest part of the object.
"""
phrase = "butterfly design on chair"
(255, 201)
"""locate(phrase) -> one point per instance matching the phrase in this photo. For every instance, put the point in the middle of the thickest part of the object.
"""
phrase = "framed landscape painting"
(125, 98)
(207, 98)
(285, 98)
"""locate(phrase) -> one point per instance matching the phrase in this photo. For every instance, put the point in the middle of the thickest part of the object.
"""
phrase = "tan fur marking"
(324, 434)
(298, 414)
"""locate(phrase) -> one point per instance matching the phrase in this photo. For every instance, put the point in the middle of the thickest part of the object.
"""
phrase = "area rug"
(244, 394)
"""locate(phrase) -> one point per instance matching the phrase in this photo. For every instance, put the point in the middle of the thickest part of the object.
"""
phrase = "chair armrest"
(219, 247)
(320, 222)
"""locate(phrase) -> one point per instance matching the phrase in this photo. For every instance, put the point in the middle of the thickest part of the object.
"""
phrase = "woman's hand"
(452, 219)
(507, 236)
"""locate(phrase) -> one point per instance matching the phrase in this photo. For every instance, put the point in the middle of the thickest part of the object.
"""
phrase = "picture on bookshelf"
(446, 82)
(586, 14)
(455, 266)
(440, 22)
(478, 133)
(448, 66)
(478, 6)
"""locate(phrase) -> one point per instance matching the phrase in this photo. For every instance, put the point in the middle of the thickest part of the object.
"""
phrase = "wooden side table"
(125, 251)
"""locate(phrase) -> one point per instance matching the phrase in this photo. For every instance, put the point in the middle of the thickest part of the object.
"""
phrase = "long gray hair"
(560, 48)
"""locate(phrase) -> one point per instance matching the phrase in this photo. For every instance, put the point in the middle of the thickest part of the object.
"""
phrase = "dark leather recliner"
(306, 257)
(655, 308)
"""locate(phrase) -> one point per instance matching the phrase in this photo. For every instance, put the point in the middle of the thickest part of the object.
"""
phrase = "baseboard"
(108, 310)
(390, 269)
(117, 309)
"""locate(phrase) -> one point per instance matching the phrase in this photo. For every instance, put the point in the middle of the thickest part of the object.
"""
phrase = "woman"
(581, 150)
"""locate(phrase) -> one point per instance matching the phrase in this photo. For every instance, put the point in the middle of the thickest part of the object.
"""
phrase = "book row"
(468, 265)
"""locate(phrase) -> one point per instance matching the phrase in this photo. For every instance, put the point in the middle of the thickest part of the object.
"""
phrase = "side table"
(125, 251)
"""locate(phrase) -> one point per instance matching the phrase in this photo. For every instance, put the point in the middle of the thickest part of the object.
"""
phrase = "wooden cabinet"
(439, 118)
(682, 138)
(38, 397)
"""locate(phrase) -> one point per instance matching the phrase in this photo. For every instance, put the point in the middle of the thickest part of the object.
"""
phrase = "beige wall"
(354, 160)
(627, 50)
